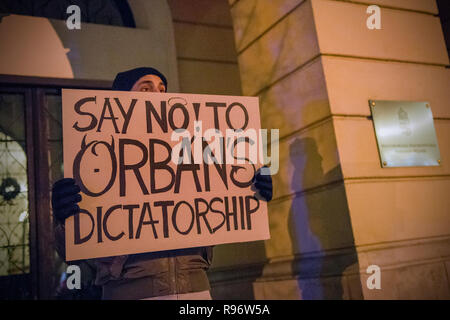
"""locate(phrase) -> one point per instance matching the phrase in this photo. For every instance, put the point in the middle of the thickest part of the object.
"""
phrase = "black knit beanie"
(124, 81)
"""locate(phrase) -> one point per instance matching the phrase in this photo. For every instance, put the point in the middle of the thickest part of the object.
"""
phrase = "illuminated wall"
(315, 64)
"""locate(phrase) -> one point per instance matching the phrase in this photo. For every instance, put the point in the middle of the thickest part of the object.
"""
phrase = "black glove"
(263, 183)
(65, 196)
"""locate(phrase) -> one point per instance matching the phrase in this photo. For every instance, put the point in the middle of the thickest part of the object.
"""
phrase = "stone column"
(315, 64)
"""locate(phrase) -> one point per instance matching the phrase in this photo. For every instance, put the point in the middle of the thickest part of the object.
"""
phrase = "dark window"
(14, 223)
(106, 12)
(31, 160)
(444, 14)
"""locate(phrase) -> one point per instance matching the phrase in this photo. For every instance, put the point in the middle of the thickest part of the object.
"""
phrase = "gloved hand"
(65, 196)
(263, 183)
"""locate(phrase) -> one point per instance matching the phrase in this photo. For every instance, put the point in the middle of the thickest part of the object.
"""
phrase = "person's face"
(149, 83)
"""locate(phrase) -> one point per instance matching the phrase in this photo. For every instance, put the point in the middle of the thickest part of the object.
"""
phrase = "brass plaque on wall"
(405, 133)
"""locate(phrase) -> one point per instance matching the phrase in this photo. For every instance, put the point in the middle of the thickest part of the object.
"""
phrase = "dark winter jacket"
(146, 275)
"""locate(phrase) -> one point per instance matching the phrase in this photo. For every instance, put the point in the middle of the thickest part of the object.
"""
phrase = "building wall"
(314, 64)
(399, 216)
(311, 247)
(205, 48)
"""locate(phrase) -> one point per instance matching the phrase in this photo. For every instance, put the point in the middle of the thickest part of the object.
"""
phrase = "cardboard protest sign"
(161, 171)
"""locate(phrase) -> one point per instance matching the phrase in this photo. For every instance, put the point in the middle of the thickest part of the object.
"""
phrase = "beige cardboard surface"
(117, 146)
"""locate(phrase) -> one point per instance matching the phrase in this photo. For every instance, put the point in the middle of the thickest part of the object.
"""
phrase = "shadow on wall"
(235, 269)
(319, 221)
(237, 282)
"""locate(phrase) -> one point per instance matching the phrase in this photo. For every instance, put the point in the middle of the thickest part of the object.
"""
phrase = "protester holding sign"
(168, 274)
